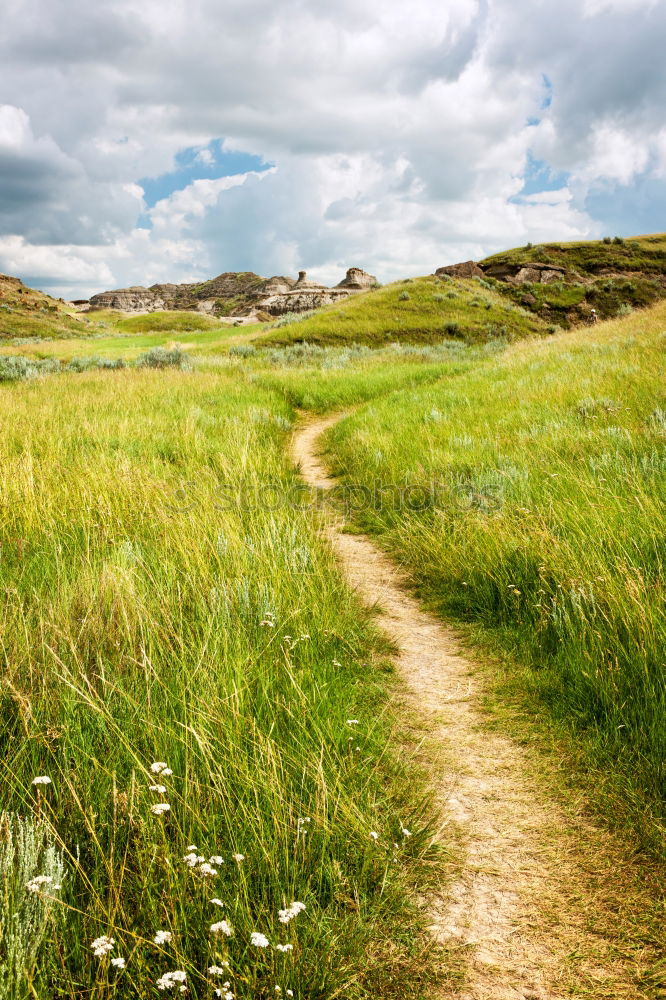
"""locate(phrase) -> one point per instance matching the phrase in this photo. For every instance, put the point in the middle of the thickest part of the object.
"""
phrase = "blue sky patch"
(196, 163)
(540, 176)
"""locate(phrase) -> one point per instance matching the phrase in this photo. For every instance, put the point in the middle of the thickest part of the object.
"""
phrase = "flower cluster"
(222, 927)
(161, 767)
(199, 864)
(171, 979)
(101, 946)
(163, 937)
(284, 916)
(39, 882)
(43, 779)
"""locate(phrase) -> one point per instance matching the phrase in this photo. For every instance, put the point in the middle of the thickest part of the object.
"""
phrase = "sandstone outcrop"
(236, 294)
(468, 269)
(524, 274)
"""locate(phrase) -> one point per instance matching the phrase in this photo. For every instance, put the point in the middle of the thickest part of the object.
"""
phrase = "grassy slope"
(547, 532)
(606, 276)
(25, 312)
(434, 309)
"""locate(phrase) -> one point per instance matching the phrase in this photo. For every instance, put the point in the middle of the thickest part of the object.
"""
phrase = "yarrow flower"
(405, 832)
(238, 858)
(170, 979)
(222, 927)
(206, 870)
(193, 859)
(352, 722)
(259, 940)
(161, 767)
(216, 901)
(43, 779)
(218, 970)
(160, 808)
(160, 789)
(163, 937)
(216, 860)
(284, 947)
(101, 946)
(118, 963)
(284, 916)
(375, 836)
(38, 883)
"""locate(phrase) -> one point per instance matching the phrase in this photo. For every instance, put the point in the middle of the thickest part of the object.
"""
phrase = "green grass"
(158, 604)
(543, 533)
(608, 276)
(642, 253)
(434, 309)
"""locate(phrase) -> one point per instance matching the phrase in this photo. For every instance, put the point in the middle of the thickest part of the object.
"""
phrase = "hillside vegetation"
(25, 312)
(611, 276)
(418, 311)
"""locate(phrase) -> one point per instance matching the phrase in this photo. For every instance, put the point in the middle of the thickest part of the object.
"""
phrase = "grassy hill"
(420, 310)
(25, 312)
(611, 276)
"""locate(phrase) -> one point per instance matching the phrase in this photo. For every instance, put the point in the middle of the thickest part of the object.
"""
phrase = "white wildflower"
(216, 860)
(43, 779)
(375, 836)
(405, 832)
(259, 940)
(193, 859)
(160, 789)
(101, 946)
(192, 847)
(163, 937)
(228, 995)
(166, 773)
(267, 624)
(38, 883)
(352, 722)
(170, 979)
(216, 901)
(206, 870)
(284, 916)
(222, 927)
(290, 993)
(238, 858)
(284, 947)
(158, 766)
(217, 970)
(160, 808)
(118, 963)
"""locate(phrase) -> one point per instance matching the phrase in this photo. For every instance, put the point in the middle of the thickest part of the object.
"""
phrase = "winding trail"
(516, 908)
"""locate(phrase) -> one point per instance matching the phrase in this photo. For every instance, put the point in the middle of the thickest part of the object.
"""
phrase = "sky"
(172, 140)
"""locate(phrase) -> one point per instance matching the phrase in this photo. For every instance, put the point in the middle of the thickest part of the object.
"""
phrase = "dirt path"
(517, 907)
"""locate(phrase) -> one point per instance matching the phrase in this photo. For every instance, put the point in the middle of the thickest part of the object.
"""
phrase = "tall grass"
(163, 604)
(541, 522)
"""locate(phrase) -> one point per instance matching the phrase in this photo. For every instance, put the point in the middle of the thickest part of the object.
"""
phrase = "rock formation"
(469, 269)
(526, 273)
(231, 294)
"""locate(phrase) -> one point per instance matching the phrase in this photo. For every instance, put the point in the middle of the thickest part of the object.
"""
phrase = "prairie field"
(213, 712)
(157, 612)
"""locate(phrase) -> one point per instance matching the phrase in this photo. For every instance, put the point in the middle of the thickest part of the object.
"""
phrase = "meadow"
(535, 520)
(207, 703)
(183, 662)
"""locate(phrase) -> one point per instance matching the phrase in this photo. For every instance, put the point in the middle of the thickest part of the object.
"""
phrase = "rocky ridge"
(231, 294)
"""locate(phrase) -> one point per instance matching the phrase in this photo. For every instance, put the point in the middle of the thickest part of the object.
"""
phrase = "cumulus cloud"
(401, 135)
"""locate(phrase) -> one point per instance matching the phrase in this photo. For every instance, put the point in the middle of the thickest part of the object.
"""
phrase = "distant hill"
(25, 312)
